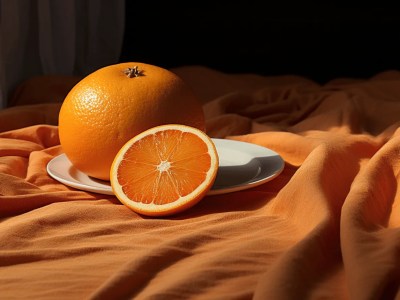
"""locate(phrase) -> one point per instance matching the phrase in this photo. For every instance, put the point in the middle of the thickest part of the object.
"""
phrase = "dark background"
(264, 37)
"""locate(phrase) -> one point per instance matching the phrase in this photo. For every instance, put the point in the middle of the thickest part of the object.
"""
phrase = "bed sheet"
(326, 227)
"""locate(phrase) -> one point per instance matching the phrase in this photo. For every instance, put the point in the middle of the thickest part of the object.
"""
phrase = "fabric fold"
(326, 228)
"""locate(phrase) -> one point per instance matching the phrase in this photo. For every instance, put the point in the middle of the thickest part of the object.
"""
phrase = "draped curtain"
(40, 37)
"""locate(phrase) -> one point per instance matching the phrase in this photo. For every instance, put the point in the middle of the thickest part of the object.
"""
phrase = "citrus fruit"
(115, 103)
(164, 170)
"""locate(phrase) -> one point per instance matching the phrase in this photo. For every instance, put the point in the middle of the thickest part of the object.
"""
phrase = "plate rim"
(256, 181)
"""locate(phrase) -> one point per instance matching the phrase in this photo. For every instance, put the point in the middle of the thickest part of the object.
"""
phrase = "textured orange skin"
(107, 108)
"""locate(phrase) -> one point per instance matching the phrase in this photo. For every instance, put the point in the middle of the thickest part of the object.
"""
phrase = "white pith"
(164, 166)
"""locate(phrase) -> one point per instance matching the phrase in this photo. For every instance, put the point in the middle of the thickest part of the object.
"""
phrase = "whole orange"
(115, 103)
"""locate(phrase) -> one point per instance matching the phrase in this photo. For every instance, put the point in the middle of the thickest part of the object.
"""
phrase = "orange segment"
(164, 170)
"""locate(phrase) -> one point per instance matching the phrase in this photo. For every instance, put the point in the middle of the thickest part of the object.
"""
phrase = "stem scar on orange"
(164, 170)
(115, 103)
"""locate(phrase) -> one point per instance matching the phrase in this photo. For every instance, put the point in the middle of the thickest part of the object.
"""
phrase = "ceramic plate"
(241, 166)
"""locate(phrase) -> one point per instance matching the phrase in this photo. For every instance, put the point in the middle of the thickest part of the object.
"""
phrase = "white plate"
(241, 166)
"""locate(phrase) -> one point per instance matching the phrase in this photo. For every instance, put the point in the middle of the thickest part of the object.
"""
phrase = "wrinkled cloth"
(326, 228)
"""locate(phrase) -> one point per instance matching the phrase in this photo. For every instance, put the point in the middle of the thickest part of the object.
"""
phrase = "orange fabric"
(326, 227)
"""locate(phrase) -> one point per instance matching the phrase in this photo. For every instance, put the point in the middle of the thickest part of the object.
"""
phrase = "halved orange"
(164, 170)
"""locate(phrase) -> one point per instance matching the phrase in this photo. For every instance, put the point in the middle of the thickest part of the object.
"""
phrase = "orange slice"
(164, 170)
